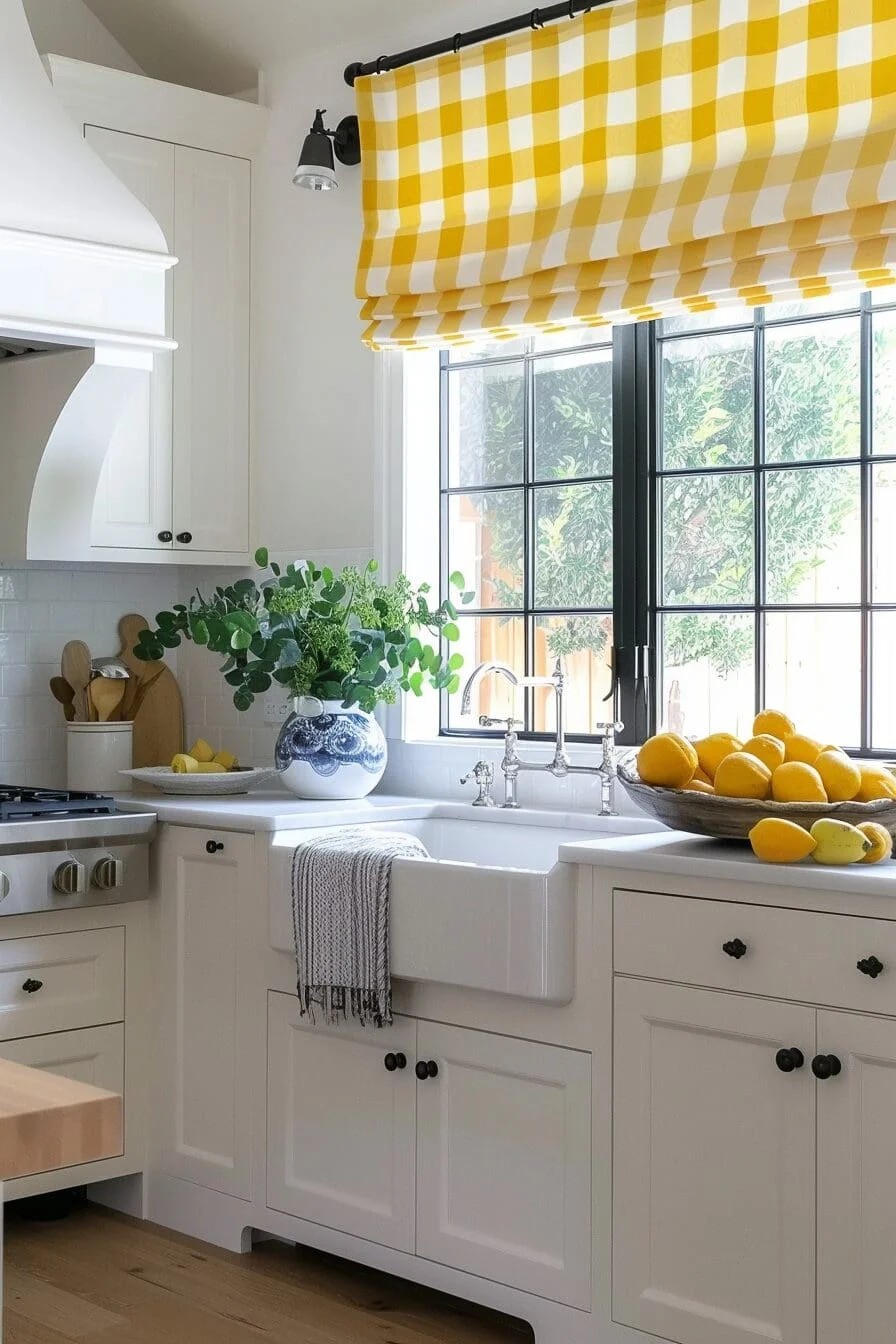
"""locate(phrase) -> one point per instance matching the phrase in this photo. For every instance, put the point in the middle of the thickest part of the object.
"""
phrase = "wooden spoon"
(64, 693)
(76, 671)
(129, 629)
(106, 696)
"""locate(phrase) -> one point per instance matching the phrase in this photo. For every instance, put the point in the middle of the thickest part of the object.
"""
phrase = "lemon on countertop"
(667, 760)
(838, 842)
(881, 842)
(796, 782)
(775, 840)
(743, 776)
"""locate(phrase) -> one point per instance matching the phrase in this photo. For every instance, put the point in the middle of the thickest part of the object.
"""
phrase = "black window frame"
(638, 475)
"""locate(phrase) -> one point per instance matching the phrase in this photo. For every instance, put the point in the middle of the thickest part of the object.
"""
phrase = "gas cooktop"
(22, 804)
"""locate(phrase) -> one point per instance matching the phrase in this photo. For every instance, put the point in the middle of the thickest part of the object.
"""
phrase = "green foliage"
(344, 636)
(708, 521)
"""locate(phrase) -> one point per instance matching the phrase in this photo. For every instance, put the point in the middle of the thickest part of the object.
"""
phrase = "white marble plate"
(163, 778)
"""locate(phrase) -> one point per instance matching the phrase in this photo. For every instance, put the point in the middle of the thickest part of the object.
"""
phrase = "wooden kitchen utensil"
(106, 696)
(61, 691)
(155, 701)
(76, 671)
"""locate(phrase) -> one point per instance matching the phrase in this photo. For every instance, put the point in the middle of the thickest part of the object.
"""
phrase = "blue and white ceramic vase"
(325, 751)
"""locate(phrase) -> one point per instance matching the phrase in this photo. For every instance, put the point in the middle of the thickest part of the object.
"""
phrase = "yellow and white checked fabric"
(652, 156)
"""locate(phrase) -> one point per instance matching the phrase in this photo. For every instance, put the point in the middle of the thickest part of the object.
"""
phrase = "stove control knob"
(4, 886)
(108, 873)
(70, 878)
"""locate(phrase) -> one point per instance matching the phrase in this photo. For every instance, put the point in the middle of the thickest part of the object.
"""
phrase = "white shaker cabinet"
(341, 1124)
(176, 478)
(204, 1115)
(714, 1167)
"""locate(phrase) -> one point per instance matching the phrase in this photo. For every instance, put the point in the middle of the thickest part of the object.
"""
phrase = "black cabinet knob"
(426, 1068)
(393, 1061)
(870, 966)
(32, 986)
(213, 847)
(735, 948)
(185, 538)
(788, 1060)
(826, 1066)
(166, 537)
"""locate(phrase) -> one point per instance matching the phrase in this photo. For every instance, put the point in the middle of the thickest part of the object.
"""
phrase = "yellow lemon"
(840, 776)
(743, 776)
(775, 840)
(712, 750)
(796, 782)
(667, 760)
(201, 751)
(184, 764)
(876, 783)
(227, 759)
(210, 768)
(881, 842)
(838, 842)
(698, 786)
(773, 722)
(701, 776)
(770, 750)
(797, 747)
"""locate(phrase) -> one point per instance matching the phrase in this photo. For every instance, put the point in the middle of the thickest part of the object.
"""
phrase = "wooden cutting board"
(159, 721)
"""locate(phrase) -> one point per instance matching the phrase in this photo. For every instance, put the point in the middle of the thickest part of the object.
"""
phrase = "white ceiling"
(219, 45)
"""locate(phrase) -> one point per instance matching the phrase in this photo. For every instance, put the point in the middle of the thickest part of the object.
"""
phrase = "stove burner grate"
(22, 804)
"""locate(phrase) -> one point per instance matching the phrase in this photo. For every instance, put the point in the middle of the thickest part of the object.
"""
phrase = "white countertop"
(683, 855)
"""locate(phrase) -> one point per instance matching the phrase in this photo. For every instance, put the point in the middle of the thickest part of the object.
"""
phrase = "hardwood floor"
(98, 1278)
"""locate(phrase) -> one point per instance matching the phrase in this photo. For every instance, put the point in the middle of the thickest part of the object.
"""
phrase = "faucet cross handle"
(483, 775)
(486, 721)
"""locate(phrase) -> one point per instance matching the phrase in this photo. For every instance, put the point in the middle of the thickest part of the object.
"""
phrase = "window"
(708, 502)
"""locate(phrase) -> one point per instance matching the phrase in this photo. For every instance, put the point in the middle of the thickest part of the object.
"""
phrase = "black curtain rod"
(536, 18)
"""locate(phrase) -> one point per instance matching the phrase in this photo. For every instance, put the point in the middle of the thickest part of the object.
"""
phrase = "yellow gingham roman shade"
(649, 157)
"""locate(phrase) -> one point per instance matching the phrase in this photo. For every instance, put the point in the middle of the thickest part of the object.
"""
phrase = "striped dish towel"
(340, 909)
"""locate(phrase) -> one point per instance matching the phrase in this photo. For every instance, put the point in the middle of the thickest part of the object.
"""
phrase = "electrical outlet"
(277, 707)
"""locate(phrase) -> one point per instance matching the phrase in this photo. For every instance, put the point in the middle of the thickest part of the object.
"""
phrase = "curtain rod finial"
(352, 72)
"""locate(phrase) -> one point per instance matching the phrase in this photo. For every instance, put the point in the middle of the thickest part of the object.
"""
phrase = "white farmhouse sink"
(491, 908)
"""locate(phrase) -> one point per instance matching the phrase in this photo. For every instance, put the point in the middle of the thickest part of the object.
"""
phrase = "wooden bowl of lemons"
(720, 786)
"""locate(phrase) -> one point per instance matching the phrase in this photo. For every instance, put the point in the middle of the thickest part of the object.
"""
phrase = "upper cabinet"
(176, 485)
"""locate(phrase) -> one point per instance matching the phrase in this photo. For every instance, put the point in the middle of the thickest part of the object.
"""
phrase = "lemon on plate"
(667, 760)
(712, 750)
(796, 782)
(769, 749)
(743, 776)
(696, 785)
(840, 776)
(798, 747)
(774, 723)
(775, 840)
(876, 783)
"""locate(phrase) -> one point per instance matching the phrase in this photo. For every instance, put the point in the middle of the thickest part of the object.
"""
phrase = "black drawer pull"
(213, 847)
(788, 1060)
(826, 1066)
(735, 948)
(185, 538)
(870, 966)
(395, 1061)
(426, 1068)
(32, 986)
(166, 537)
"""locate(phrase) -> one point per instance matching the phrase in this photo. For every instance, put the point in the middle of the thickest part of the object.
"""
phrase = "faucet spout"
(483, 670)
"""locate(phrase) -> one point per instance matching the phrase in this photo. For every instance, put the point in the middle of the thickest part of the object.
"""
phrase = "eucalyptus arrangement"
(346, 637)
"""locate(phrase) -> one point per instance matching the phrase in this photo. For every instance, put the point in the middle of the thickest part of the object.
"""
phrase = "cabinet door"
(211, 367)
(203, 1106)
(341, 1125)
(714, 1167)
(856, 1181)
(504, 1161)
(133, 503)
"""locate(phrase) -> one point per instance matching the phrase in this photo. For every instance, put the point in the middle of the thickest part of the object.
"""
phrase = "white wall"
(68, 28)
(315, 381)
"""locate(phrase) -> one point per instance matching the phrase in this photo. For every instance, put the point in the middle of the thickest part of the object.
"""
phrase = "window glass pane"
(574, 545)
(814, 535)
(574, 415)
(843, 302)
(487, 639)
(708, 551)
(585, 643)
(735, 316)
(883, 534)
(812, 391)
(485, 542)
(486, 407)
(573, 339)
(814, 672)
(883, 294)
(466, 354)
(883, 660)
(707, 679)
(707, 416)
(884, 376)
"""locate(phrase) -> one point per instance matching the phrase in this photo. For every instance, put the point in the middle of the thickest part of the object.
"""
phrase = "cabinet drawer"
(790, 954)
(74, 980)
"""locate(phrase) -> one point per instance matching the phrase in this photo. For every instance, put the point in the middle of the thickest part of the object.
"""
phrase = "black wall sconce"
(316, 168)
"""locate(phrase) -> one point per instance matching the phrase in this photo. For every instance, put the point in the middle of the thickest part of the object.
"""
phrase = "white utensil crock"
(97, 752)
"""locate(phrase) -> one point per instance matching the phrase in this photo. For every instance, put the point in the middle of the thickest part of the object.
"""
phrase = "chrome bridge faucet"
(512, 766)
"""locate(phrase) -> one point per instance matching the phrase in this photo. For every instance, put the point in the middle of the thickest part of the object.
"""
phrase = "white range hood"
(82, 266)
